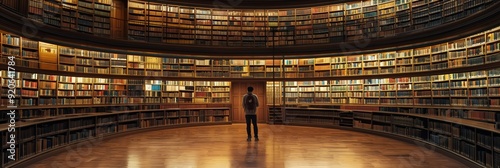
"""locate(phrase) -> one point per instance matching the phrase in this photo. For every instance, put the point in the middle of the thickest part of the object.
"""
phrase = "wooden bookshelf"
(473, 88)
(322, 24)
(42, 90)
(402, 40)
(426, 107)
(474, 50)
(11, 48)
(467, 89)
(178, 24)
(176, 81)
(92, 17)
(444, 128)
(35, 138)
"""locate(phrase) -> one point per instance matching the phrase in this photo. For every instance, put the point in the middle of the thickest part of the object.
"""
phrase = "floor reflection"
(226, 147)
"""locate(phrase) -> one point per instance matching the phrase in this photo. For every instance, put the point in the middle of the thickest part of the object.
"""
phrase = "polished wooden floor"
(226, 146)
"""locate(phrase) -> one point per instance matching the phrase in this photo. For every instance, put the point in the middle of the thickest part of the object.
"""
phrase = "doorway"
(238, 89)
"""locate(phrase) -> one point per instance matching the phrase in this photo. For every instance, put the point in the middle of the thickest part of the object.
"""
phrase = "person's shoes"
(256, 139)
(249, 139)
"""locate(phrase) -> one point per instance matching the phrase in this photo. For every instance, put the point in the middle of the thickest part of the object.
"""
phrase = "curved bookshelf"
(476, 52)
(464, 89)
(342, 22)
(383, 30)
(446, 90)
(471, 141)
(461, 73)
(189, 81)
(458, 73)
(38, 95)
(171, 23)
(35, 138)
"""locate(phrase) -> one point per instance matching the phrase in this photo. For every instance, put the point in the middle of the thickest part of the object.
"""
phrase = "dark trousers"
(253, 119)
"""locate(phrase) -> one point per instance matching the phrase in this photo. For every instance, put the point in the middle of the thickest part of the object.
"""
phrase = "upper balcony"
(343, 28)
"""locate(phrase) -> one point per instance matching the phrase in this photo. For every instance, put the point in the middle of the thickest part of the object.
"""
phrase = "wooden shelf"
(43, 136)
(93, 17)
(452, 56)
(456, 136)
(178, 24)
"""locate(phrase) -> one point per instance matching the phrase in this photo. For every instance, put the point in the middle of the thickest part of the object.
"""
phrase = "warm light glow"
(133, 159)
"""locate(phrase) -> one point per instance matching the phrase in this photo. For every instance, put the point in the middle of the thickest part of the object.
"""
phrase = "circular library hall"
(250, 83)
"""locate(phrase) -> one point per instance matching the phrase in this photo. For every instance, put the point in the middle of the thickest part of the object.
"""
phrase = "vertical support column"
(274, 80)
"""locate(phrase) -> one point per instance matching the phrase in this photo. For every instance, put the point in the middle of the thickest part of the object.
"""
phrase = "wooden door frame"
(236, 95)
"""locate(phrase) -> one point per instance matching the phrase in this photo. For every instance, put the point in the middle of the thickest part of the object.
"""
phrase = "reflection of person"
(250, 104)
(251, 155)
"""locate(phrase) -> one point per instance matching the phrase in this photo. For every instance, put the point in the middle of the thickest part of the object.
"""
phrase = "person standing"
(250, 104)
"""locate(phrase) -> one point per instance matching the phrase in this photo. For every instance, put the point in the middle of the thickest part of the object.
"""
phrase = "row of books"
(80, 16)
(54, 134)
(370, 59)
(474, 143)
(382, 21)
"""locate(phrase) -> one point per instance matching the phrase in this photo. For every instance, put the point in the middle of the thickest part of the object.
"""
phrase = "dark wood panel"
(238, 89)
(48, 56)
(118, 16)
(21, 6)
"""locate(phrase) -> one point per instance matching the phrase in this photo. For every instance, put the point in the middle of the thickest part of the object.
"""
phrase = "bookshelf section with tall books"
(177, 24)
(42, 95)
(29, 53)
(11, 48)
(221, 91)
(474, 89)
(196, 92)
(87, 16)
(476, 50)
(147, 21)
(334, 23)
(274, 97)
(220, 27)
